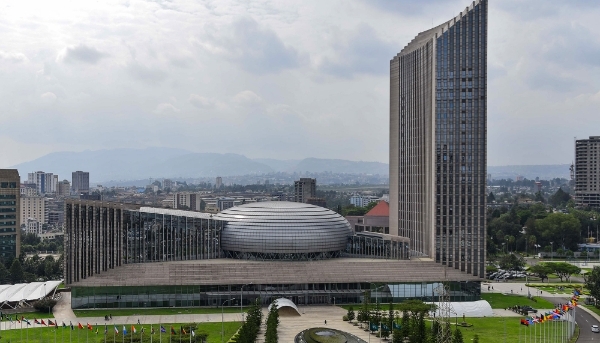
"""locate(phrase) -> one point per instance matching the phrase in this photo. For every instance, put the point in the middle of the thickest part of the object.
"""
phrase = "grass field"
(553, 288)
(498, 300)
(506, 329)
(48, 335)
(154, 311)
(31, 315)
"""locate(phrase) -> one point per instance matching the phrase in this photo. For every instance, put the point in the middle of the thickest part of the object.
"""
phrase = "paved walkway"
(518, 288)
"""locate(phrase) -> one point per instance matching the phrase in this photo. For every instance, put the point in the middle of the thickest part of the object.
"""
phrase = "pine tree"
(457, 337)
(351, 315)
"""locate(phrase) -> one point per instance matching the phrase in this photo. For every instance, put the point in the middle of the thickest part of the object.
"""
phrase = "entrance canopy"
(286, 306)
(26, 291)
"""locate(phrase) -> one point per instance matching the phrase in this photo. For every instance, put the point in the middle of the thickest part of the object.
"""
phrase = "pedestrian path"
(518, 288)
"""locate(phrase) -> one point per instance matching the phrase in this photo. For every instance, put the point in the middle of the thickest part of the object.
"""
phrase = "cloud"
(200, 101)
(246, 98)
(359, 51)
(145, 74)
(48, 98)
(14, 57)
(81, 54)
(164, 108)
(256, 48)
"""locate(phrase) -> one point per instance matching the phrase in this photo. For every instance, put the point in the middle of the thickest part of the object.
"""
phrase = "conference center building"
(128, 256)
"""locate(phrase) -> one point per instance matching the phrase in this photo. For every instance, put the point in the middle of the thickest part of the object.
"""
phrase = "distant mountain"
(544, 172)
(279, 165)
(139, 164)
(317, 165)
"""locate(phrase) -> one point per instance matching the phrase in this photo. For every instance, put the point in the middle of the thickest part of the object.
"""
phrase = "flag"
(36, 321)
(105, 329)
(25, 320)
(172, 331)
(89, 326)
(79, 325)
(524, 322)
(124, 330)
(193, 334)
(133, 330)
(64, 326)
(162, 329)
(43, 323)
(116, 330)
(183, 331)
(17, 318)
(51, 323)
(151, 330)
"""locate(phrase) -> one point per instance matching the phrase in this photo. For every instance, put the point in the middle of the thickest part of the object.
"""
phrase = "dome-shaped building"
(283, 230)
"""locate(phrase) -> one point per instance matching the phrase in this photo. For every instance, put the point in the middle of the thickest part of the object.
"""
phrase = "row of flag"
(554, 314)
(91, 328)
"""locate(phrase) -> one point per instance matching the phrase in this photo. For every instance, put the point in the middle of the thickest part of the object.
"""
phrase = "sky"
(278, 79)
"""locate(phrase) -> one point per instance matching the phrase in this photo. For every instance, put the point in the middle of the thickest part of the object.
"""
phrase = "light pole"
(526, 239)
(242, 300)
(376, 306)
(222, 318)
(551, 251)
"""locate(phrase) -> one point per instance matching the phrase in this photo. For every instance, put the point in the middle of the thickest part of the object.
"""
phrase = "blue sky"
(278, 79)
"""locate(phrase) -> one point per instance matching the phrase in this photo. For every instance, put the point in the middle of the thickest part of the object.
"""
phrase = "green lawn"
(592, 308)
(155, 311)
(494, 330)
(45, 335)
(498, 300)
(553, 287)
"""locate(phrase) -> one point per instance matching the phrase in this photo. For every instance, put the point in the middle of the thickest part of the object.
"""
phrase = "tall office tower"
(587, 172)
(438, 141)
(304, 189)
(218, 182)
(45, 182)
(10, 201)
(80, 182)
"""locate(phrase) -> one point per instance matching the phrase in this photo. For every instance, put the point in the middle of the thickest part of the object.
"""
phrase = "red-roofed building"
(376, 220)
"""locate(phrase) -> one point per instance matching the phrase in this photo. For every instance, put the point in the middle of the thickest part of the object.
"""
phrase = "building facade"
(362, 200)
(34, 208)
(438, 119)
(80, 182)
(121, 255)
(10, 221)
(64, 188)
(45, 182)
(304, 189)
(587, 172)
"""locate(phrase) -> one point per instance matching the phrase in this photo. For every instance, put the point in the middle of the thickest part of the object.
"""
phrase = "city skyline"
(311, 78)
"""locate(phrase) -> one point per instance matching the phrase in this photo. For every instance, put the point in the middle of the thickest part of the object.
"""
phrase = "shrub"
(345, 318)
(45, 305)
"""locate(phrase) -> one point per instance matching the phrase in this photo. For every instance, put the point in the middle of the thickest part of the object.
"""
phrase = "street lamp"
(526, 239)
(242, 300)
(222, 318)
(551, 251)
(376, 303)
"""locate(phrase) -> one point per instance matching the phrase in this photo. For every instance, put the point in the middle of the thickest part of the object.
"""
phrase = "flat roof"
(238, 272)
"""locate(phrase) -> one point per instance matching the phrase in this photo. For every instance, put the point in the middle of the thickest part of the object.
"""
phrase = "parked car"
(595, 328)
(528, 309)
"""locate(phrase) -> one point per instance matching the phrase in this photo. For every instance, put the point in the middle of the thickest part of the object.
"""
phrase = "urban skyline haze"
(274, 80)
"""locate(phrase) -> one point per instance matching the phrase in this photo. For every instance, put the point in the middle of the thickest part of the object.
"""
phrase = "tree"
(351, 314)
(541, 270)
(4, 275)
(491, 198)
(476, 338)
(16, 272)
(539, 197)
(457, 337)
(512, 262)
(404, 325)
(564, 269)
(592, 282)
(559, 199)
(272, 324)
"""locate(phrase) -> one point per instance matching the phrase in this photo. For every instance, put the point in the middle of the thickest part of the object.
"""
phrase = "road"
(585, 322)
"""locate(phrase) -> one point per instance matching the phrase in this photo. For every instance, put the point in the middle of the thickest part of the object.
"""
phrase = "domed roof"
(283, 228)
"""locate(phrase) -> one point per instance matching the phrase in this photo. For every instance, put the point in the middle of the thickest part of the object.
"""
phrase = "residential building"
(10, 220)
(167, 184)
(218, 182)
(80, 182)
(587, 172)
(28, 189)
(225, 203)
(45, 182)
(64, 188)
(34, 208)
(362, 200)
(438, 119)
(304, 189)
(317, 202)
(32, 226)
